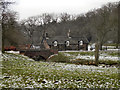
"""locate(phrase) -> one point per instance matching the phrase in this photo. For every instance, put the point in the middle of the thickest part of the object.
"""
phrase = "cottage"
(67, 43)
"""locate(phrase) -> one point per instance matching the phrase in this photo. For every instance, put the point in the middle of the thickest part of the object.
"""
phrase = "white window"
(55, 43)
(81, 43)
(67, 43)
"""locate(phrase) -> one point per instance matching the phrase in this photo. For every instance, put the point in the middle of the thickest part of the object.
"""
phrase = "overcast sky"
(27, 8)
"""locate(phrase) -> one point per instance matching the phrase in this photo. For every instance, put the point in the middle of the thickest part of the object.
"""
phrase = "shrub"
(83, 62)
(59, 58)
(113, 53)
(108, 62)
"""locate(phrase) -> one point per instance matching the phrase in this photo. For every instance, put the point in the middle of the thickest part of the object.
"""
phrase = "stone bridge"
(39, 54)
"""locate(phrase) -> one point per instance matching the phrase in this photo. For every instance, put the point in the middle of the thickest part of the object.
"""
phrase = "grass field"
(21, 72)
(87, 57)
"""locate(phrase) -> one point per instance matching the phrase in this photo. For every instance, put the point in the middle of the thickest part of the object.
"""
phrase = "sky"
(27, 8)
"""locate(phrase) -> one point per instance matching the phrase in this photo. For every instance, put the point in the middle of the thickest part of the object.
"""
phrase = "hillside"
(22, 72)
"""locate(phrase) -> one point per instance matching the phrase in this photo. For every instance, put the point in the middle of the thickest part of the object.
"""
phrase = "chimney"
(46, 44)
(68, 34)
(46, 35)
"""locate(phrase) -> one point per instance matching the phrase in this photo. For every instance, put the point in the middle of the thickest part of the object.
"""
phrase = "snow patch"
(15, 52)
(100, 57)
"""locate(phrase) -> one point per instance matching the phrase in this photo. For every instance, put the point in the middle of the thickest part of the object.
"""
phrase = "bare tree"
(12, 34)
(4, 8)
(65, 17)
(29, 28)
(102, 25)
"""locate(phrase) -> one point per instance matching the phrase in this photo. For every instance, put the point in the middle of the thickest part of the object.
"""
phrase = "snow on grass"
(88, 55)
(20, 72)
(113, 49)
(104, 57)
(15, 56)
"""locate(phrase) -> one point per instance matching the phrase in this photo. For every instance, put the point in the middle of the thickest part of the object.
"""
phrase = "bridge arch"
(39, 58)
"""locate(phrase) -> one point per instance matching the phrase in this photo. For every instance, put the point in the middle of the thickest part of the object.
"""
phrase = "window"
(81, 43)
(55, 43)
(67, 43)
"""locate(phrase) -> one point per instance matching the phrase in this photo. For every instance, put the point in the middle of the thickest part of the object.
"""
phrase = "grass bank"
(22, 72)
(70, 57)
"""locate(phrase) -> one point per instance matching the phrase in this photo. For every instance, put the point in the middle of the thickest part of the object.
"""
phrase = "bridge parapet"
(39, 54)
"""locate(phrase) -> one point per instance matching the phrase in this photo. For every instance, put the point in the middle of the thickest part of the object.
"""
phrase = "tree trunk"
(100, 46)
(96, 54)
(116, 45)
(0, 38)
(3, 28)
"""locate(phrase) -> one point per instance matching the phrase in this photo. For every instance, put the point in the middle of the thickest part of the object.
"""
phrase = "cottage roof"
(62, 39)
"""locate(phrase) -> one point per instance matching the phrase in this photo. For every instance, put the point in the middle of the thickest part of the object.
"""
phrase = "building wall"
(63, 47)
